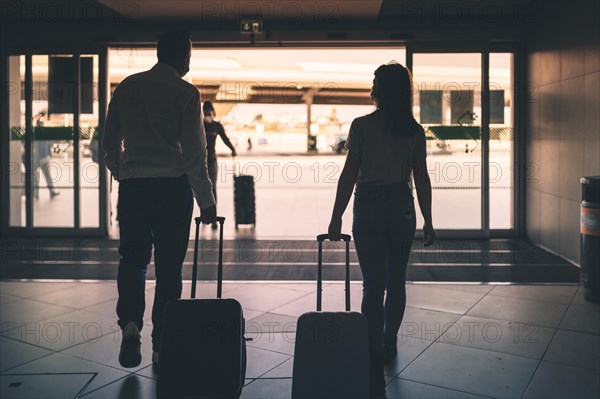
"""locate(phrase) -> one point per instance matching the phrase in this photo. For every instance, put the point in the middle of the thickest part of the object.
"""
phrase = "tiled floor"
(59, 340)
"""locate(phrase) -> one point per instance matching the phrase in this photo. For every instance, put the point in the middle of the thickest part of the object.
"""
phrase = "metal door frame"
(519, 139)
(29, 230)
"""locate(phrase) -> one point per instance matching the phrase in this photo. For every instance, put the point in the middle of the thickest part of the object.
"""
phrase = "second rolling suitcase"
(244, 199)
(203, 349)
(331, 354)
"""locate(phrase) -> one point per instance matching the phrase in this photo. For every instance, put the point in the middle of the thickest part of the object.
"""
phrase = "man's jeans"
(384, 227)
(152, 211)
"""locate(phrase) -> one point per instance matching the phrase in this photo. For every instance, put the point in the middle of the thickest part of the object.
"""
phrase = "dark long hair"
(392, 89)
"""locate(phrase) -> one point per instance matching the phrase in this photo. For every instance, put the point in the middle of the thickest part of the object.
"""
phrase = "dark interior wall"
(563, 132)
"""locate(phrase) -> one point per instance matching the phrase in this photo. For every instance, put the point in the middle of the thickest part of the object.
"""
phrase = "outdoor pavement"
(295, 195)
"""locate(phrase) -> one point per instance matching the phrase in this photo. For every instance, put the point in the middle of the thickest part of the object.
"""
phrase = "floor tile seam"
(27, 362)
(71, 310)
(479, 349)
(87, 384)
(503, 320)
(86, 308)
(548, 347)
(287, 303)
(28, 343)
(274, 367)
(579, 331)
(87, 341)
(31, 296)
(571, 364)
(273, 378)
(102, 364)
(112, 382)
(535, 300)
(489, 350)
(438, 386)
(510, 321)
(54, 304)
(549, 344)
(412, 361)
(269, 350)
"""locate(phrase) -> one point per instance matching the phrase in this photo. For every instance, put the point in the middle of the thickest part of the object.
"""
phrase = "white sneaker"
(130, 355)
(154, 357)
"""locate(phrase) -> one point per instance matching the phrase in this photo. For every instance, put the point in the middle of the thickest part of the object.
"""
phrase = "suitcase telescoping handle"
(320, 239)
(220, 220)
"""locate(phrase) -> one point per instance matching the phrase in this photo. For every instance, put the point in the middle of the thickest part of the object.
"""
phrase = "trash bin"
(590, 237)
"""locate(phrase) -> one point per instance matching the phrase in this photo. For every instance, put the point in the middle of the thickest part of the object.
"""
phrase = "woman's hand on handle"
(428, 234)
(335, 229)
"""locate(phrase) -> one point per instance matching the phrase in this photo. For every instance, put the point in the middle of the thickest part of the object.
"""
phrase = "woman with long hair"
(384, 148)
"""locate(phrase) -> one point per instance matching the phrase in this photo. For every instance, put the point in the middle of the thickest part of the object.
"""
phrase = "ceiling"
(233, 10)
(286, 22)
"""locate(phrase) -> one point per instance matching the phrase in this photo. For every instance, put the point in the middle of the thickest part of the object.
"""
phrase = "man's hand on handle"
(209, 215)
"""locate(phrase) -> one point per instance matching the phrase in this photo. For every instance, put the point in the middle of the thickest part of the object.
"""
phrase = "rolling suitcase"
(244, 199)
(203, 349)
(331, 354)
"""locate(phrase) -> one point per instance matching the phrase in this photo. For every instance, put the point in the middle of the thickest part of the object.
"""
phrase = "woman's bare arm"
(423, 186)
(345, 186)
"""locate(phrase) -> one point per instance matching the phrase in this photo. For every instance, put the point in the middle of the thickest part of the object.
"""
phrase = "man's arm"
(193, 148)
(112, 137)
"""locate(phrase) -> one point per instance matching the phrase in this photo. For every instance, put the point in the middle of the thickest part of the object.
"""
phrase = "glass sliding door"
(53, 145)
(447, 103)
(462, 145)
(55, 176)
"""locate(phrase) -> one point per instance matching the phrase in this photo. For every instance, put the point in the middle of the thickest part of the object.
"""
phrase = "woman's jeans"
(384, 228)
(152, 212)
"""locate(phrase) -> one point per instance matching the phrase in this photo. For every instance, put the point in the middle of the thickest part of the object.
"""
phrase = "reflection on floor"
(59, 339)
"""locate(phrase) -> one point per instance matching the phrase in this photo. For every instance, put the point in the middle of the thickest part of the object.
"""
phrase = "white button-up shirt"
(154, 129)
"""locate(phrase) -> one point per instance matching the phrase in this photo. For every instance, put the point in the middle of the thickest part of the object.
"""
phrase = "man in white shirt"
(155, 147)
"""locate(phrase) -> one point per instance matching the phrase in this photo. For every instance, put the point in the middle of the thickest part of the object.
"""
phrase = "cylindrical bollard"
(590, 237)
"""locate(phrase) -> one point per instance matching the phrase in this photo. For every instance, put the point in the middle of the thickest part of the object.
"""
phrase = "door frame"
(519, 138)
(29, 230)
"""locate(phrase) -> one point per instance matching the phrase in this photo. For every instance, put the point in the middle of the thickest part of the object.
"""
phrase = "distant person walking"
(156, 148)
(42, 156)
(213, 129)
(384, 147)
